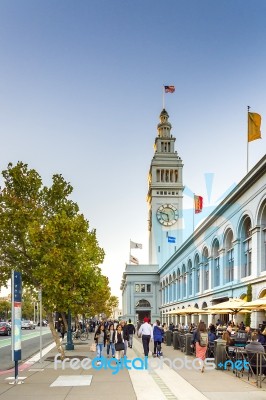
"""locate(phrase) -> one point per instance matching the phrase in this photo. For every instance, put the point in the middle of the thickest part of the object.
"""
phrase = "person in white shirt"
(146, 333)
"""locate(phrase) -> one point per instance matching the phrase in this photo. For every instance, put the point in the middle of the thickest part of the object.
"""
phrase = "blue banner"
(171, 239)
(16, 315)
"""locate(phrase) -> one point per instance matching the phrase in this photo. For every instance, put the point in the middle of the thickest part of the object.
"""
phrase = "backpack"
(203, 339)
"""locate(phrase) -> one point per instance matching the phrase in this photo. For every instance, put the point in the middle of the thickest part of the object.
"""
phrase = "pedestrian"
(158, 333)
(200, 340)
(125, 336)
(100, 339)
(62, 330)
(110, 340)
(118, 340)
(130, 331)
(146, 333)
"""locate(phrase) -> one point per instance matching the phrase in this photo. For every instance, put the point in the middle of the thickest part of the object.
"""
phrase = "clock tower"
(165, 196)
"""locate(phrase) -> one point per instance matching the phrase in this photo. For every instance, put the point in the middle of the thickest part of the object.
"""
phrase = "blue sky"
(81, 93)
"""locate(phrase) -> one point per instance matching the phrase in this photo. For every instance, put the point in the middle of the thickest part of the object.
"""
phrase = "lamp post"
(69, 344)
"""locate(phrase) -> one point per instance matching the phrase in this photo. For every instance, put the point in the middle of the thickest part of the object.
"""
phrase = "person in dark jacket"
(158, 333)
(125, 335)
(131, 331)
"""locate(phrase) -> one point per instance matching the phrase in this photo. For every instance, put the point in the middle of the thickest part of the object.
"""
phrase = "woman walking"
(110, 340)
(119, 342)
(200, 340)
(100, 339)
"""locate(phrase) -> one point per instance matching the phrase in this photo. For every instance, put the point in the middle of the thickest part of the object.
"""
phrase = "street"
(30, 345)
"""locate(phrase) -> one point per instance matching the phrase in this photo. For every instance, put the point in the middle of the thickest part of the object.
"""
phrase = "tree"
(45, 237)
(247, 318)
(113, 303)
(5, 309)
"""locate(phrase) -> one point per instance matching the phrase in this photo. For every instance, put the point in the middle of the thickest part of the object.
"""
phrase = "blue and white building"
(217, 262)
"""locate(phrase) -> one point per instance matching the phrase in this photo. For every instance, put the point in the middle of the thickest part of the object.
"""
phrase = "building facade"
(225, 254)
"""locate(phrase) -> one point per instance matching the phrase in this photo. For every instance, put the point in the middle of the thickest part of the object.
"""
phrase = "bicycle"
(80, 335)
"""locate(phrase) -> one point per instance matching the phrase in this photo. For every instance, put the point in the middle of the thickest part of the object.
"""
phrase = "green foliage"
(5, 309)
(44, 236)
(247, 319)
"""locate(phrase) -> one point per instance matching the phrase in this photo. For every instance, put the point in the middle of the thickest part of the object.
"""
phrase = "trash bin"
(188, 349)
(168, 335)
(178, 340)
(175, 340)
(219, 353)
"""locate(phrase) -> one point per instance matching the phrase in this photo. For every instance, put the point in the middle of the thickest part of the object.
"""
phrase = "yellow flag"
(254, 121)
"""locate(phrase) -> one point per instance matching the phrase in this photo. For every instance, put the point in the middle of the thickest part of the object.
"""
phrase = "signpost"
(40, 300)
(16, 291)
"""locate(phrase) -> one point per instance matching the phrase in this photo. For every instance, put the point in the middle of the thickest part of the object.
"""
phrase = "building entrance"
(142, 314)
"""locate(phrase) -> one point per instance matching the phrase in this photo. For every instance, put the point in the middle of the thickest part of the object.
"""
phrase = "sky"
(81, 91)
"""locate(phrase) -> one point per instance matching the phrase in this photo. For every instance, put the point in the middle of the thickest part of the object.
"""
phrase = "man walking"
(130, 330)
(145, 331)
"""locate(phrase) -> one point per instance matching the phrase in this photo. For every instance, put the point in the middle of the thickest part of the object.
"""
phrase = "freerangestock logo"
(137, 363)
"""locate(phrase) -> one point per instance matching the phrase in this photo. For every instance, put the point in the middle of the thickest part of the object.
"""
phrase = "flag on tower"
(254, 122)
(134, 260)
(134, 245)
(198, 204)
(169, 89)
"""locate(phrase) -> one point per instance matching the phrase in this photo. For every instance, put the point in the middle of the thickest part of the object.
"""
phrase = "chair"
(257, 366)
(230, 354)
(210, 350)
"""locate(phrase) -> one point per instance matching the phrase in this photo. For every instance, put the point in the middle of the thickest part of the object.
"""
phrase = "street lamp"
(69, 344)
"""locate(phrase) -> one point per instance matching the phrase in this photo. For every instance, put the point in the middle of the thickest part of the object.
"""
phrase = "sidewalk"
(42, 380)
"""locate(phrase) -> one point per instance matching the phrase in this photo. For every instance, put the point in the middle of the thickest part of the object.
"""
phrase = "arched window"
(178, 284)
(205, 260)
(189, 277)
(246, 248)
(184, 280)
(143, 304)
(174, 286)
(262, 223)
(197, 273)
(216, 263)
(229, 256)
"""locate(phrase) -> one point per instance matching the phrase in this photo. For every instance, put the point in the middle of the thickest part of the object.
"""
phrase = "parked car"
(5, 329)
(27, 324)
(44, 323)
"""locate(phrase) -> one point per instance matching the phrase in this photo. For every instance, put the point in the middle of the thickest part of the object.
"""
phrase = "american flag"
(169, 89)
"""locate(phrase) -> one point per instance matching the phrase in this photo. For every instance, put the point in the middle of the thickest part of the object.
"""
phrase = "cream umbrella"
(191, 311)
(259, 304)
(233, 306)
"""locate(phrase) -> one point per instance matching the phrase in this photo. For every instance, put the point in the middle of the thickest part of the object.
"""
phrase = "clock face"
(167, 214)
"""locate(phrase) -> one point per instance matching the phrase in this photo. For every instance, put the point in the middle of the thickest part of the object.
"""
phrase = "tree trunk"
(59, 346)
(64, 321)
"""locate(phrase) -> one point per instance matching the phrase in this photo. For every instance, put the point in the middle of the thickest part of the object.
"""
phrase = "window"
(216, 264)
(143, 288)
(205, 269)
(246, 248)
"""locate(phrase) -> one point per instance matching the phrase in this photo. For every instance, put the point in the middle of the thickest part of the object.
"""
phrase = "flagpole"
(163, 97)
(130, 251)
(247, 140)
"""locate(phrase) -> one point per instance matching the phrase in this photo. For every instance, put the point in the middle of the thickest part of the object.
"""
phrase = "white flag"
(134, 260)
(134, 245)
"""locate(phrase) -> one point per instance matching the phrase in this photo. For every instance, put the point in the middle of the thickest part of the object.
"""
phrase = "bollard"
(219, 353)
(188, 339)
(168, 336)
(175, 340)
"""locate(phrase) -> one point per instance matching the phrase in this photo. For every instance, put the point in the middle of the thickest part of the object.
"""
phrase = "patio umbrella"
(233, 306)
(191, 311)
(259, 305)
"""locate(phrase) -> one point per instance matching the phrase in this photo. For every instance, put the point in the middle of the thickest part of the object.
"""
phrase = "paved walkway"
(42, 380)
